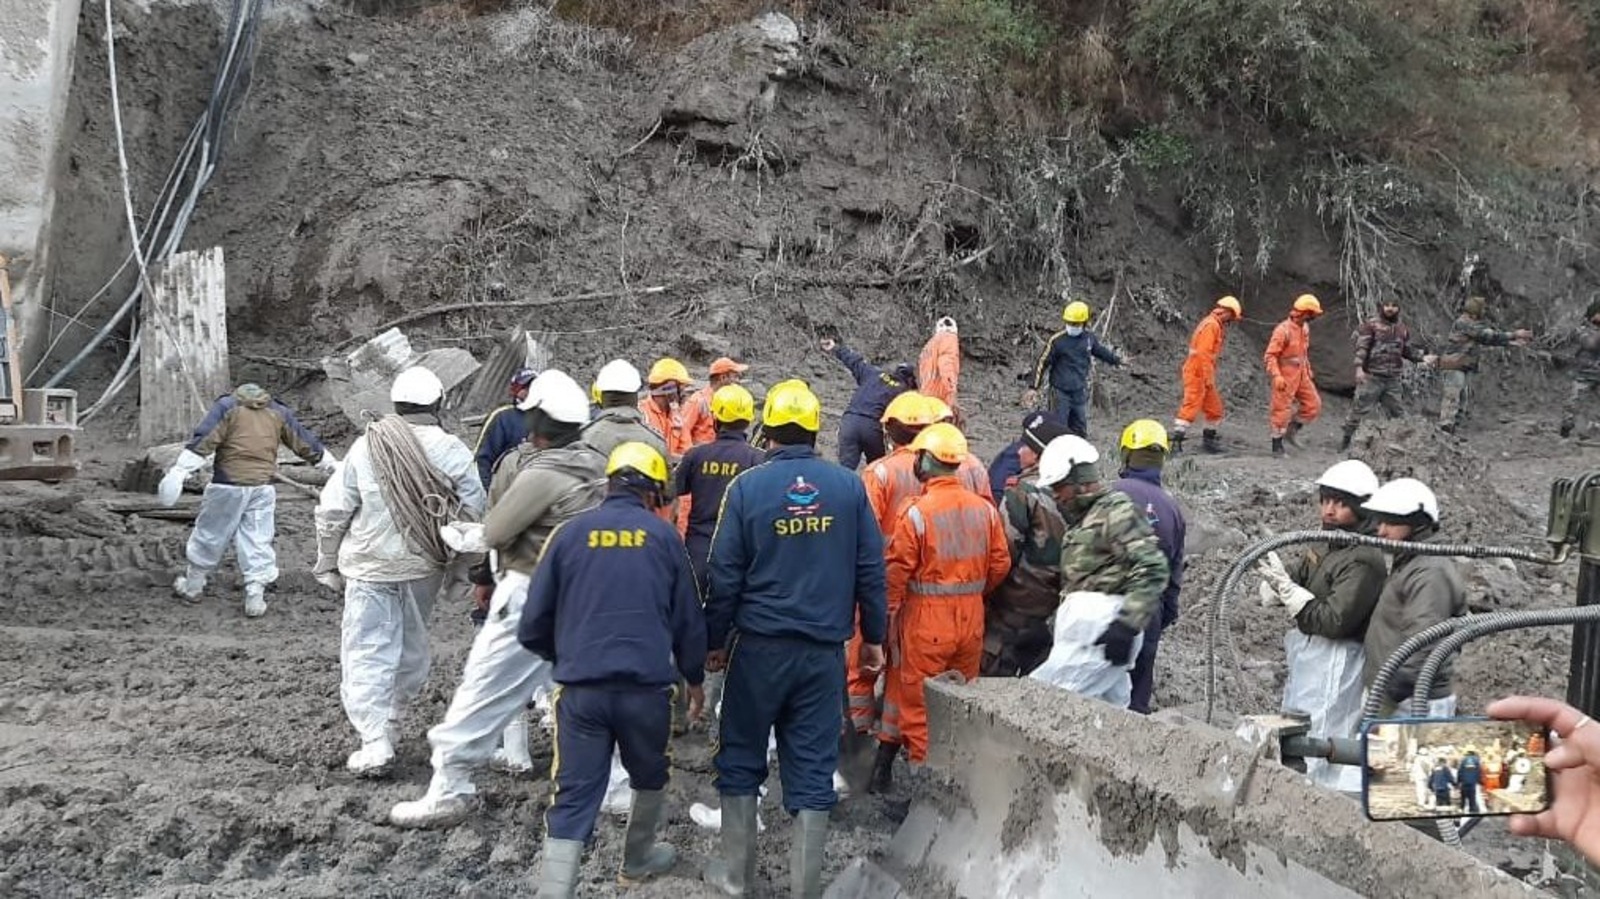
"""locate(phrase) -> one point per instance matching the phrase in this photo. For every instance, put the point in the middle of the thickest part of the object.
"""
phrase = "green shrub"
(964, 38)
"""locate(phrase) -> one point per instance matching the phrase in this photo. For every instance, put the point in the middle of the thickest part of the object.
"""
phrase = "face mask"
(1074, 330)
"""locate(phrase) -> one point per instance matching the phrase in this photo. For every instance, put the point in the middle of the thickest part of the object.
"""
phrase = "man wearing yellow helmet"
(1144, 452)
(1295, 402)
(1065, 364)
(614, 604)
(663, 407)
(706, 471)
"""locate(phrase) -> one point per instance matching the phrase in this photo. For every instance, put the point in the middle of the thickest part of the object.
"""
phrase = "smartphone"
(1453, 768)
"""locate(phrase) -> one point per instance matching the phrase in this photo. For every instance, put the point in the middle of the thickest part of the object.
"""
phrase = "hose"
(1475, 626)
(1216, 622)
(419, 497)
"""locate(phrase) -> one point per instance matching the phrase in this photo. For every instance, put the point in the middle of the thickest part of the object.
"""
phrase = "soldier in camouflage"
(1585, 370)
(1016, 620)
(1383, 346)
(1467, 334)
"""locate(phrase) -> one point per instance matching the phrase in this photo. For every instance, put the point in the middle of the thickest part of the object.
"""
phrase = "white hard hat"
(417, 386)
(945, 325)
(618, 376)
(558, 396)
(1062, 455)
(1402, 497)
(1351, 476)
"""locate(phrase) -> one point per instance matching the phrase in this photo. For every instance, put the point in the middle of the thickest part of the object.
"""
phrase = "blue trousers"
(796, 687)
(590, 722)
(699, 554)
(1144, 670)
(1072, 407)
(860, 437)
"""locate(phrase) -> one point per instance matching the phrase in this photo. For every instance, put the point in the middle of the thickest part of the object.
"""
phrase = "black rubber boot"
(1177, 442)
(1290, 435)
(1210, 442)
(883, 768)
(1349, 434)
(1277, 446)
(1567, 425)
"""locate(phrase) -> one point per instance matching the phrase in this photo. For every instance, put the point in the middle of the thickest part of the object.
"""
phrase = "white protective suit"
(1324, 685)
(244, 516)
(1076, 663)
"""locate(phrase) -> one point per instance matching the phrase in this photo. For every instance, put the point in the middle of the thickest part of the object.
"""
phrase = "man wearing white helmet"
(563, 478)
(378, 541)
(1329, 593)
(1421, 591)
(617, 387)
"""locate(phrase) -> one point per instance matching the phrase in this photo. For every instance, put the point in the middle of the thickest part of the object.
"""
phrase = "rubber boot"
(1277, 446)
(1292, 434)
(735, 871)
(1176, 440)
(1210, 442)
(558, 871)
(807, 844)
(1344, 442)
(513, 753)
(1567, 425)
(883, 768)
(642, 857)
(1448, 428)
(449, 801)
(255, 600)
(190, 584)
(372, 759)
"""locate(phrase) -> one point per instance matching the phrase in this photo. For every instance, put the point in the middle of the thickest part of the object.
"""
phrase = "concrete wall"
(36, 51)
(1055, 795)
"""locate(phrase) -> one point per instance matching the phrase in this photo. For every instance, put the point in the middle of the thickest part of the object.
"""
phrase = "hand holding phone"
(1574, 812)
(1455, 768)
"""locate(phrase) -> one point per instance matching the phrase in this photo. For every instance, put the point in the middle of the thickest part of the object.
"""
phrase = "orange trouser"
(1200, 395)
(934, 634)
(862, 686)
(1300, 392)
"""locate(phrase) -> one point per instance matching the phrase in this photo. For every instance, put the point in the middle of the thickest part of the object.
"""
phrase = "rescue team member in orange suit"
(948, 549)
(1295, 402)
(698, 422)
(663, 408)
(939, 366)
(1200, 395)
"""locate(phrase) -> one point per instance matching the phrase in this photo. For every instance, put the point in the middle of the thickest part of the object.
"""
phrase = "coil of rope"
(419, 497)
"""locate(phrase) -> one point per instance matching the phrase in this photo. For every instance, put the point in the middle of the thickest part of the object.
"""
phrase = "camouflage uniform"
(1467, 334)
(1585, 377)
(1016, 621)
(1382, 349)
(1113, 549)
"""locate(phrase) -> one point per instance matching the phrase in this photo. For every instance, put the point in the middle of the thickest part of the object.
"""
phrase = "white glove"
(1276, 583)
(171, 486)
(463, 536)
(333, 580)
(329, 463)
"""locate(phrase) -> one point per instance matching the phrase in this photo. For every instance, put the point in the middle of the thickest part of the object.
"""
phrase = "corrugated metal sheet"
(183, 364)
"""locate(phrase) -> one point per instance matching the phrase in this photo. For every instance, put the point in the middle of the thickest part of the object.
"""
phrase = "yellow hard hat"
(1146, 432)
(1076, 313)
(1232, 305)
(639, 457)
(668, 369)
(1307, 303)
(792, 403)
(732, 402)
(910, 409)
(943, 441)
(939, 410)
(594, 393)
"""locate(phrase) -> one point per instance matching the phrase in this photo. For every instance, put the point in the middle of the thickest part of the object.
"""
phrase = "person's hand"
(328, 463)
(717, 660)
(1280, 384)
(871, 657)
(828, 343)
(331, 579)
(1029, 397)
(1118, 642)
(481, 595)
(697, 702)
(1522, 335)
(171, 486)
(1429, 360)
(1361, 376)
(1574, 766)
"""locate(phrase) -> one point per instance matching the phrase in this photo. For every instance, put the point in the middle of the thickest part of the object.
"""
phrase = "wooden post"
(11, 360)
(183, 365)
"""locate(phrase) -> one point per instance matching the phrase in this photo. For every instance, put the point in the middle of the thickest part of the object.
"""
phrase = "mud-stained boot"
(883, 768)
(807, 844)
(733, 873)
(448, 802)
(1277, 446)
(513, 753)
(255, 600)
(1567, 425)
(1176, 440)
(190, 584)
(643, 857)
(1344, 442)
(1293, 434)
(558, 870)
(1448, 427)
(1211, 442)
(373, 759)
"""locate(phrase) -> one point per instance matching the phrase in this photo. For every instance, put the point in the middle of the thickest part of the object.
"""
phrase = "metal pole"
(1583, 681)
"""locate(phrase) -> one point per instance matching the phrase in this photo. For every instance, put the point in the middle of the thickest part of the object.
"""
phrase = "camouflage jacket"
(1382, 348)
(1114, 550)
(1467, 334)
(1586, 360)
(1034, 530)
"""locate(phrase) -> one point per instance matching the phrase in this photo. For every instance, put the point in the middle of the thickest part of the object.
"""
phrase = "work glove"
(1279, 587)
(326, 572)
(463, 536)
(329, 463)
(333, 580)
(1118, 642)
(172, 483)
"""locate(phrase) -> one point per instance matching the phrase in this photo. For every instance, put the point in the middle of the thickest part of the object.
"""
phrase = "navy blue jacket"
(1005, 466)
(613, 600)
(1143, 486)
(704, 474)
(1441, 780)
(874, 386)
(796, 553)
(502, 431)
(1066, 360)
(1470, 772)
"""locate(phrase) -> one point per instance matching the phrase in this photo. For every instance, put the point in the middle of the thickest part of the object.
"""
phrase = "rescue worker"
(1144, 452)
(614, 605)
(1200, 394)
(1109, 546)
(503, 430)
(663, 407)
(1006, 466)
(947, 549)
(1469, 776)
(1016, 631)
(379, 544)
(244, 430)
(706, 470)
(860, 428)
(1383, 346)
(1295, 402)
(698, 419)
(1065, 364)
(795, 558)
(1420, 591)
(620, 420)
(939, 365)
(1441, 781)
(563, 478)
(1467, 334)
(1585, 370)
(1330, 594)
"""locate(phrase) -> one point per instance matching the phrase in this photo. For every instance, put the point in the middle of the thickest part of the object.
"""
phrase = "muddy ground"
(151, 747)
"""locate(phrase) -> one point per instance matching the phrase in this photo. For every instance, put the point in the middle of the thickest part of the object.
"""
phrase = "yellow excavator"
(38, 428)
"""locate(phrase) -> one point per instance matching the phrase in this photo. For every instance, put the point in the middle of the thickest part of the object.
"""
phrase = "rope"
(419, 497)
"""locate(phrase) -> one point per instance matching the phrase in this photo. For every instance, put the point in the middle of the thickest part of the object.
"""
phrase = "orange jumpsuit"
(948, 549)
(698, 422)
(939, 367)
(1288, 358)
(891, 482)
(1200, 396)
(670, 425)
